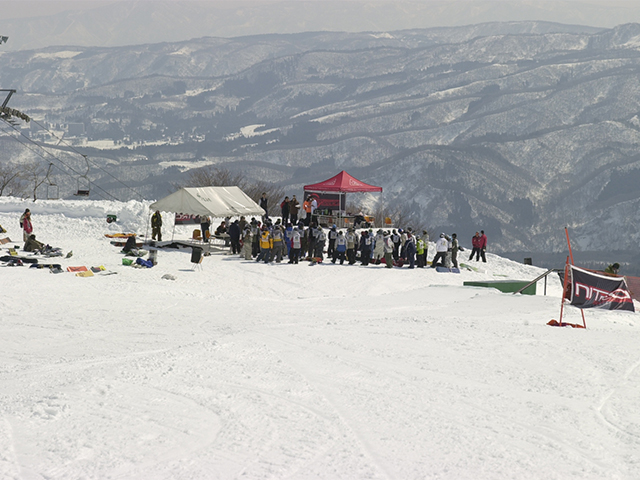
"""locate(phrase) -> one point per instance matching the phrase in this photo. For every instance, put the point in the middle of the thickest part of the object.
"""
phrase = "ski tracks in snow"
(9, 467)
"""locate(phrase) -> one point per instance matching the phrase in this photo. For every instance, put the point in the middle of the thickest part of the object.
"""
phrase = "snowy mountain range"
(517, 128)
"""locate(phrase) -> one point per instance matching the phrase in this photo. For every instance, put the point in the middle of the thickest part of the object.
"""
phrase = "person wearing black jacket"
(234, 236)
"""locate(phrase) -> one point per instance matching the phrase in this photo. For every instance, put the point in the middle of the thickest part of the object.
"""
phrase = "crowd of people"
(267, 241)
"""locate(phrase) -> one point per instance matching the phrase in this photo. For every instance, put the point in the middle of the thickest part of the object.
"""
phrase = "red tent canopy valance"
(342, 182)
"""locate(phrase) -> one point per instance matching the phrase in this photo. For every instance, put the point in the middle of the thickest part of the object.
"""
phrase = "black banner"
(589, 290)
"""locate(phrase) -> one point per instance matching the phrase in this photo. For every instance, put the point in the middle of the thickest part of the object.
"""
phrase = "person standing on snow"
(378, 248)
(410, 249)
(365, 248)
(442, 246)
(387, 247)
(294, 208)
(266, 244)
(483, 246)
(247, 240)
(333, 235)
(340, 248)
(27, 226)
(296, 245)
(278, 243)
(475, 244)
(156, 226)
(264, 205)
(420, 252)
(234, 236)
(455, 247)
(352, 245)
(285, 208)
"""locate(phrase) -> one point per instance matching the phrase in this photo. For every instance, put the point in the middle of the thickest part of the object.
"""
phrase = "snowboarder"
(442, 247)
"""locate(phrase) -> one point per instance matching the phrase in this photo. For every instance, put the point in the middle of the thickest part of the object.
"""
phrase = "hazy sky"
(30, 8)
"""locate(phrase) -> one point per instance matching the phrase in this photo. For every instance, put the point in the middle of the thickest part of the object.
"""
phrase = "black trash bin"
(528, 261)
(196, 255)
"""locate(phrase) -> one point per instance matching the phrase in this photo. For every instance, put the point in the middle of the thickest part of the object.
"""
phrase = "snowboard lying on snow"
(447, 270)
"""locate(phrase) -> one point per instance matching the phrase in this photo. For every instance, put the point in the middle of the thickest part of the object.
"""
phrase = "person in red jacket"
(483, 245)
(475, 243)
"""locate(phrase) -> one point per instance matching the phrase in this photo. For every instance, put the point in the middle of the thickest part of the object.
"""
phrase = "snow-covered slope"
(246, 370)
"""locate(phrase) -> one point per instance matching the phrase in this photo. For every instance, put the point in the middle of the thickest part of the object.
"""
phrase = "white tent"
(213, 201)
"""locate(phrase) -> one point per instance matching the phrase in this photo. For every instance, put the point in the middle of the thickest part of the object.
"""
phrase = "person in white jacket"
(442, 246)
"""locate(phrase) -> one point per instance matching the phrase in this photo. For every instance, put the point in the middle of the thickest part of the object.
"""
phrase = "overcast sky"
(30, 8)
(34, 24)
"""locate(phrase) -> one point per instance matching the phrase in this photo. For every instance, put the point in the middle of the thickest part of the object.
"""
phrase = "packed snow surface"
(254, 371)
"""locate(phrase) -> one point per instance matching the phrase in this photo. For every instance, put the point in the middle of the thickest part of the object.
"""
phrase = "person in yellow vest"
(277, 244)
(266, 244)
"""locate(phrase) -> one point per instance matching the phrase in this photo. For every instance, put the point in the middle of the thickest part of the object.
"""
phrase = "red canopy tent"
(341, 184)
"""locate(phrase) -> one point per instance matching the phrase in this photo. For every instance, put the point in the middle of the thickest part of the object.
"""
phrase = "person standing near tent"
(247, 241)
(264, 205)
(296, 245)
(340, 249)
(352, 245)
(365, 247)
(294, 208)
(278, 247)
(387, 246)
(483, 245)
(306, 206)
(234, 236)
(27, 226)
(205, 225)
(266, 244)
(378, 248)
(156, 226)
(285, 208)
(314, 207)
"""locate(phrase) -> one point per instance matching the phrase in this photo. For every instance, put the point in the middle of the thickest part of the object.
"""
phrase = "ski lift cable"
(59, 160)
(56, 158)
(71, 147)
